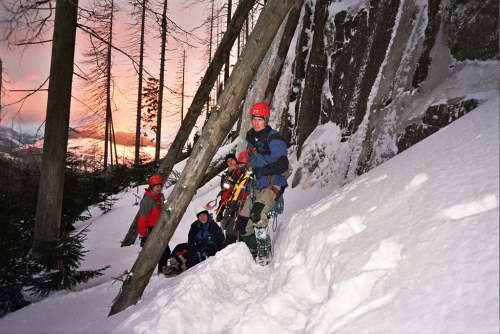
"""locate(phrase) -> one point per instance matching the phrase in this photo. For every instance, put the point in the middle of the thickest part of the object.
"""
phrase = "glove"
(241, 224)
(259, 172)
(143, 240)
(200, 246)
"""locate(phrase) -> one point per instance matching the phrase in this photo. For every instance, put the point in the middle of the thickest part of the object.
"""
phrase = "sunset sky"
(28, 69)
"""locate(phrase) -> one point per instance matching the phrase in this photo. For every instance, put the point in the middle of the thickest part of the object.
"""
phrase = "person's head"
(155, 184)
(260, 113)
(242, 159)
(202, 214)
(231, 161)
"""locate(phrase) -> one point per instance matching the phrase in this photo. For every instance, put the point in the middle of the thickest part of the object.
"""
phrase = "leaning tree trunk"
(50, 193)
(228, 56)
(213, 134)
(133, 229)
(199, 100)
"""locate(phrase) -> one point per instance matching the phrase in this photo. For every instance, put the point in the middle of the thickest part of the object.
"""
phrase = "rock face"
(384, 74)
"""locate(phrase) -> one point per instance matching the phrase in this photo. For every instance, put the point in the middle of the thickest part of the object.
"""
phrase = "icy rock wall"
(378, 76)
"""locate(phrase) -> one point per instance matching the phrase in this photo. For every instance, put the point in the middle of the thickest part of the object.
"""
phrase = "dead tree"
(109, 121)
(213, 134)
(162, 79)
(228, 56)
(97, 83)
(198, 102)
(1, 71)
(50, 194)
(183, 82)
(139, 88)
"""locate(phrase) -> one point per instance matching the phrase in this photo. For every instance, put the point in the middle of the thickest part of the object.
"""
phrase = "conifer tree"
(150, 95)
(59, 263)
(56, 267)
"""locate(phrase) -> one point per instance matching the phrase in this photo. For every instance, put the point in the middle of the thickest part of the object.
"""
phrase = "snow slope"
(410, 247)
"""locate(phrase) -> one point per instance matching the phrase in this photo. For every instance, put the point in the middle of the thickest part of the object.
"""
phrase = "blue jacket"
(268, 151)
(199, 232)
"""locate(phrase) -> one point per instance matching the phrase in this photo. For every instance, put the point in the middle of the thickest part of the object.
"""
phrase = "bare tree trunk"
(113, 139)
(214, 133)
(210, 53)
(106, 139)
(199, 100)
(183, 83)
(1, 71)
(226, 67)
(139, 94)
(162, 80)
(50, 194)
(108, 96)
(108, 88)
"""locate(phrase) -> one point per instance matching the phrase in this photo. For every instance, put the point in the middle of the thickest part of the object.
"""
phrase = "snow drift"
(411, 246)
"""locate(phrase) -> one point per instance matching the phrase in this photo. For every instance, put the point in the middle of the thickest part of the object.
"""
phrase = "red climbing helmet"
(260, 109)
(155, 180)
(243, 157)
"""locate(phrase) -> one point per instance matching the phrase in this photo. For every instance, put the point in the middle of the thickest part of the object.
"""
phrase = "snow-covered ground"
(410, 247)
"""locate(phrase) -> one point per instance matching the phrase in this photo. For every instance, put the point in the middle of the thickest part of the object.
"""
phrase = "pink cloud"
(32, 109)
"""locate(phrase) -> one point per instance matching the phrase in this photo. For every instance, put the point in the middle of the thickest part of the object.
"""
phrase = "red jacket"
(149, 211)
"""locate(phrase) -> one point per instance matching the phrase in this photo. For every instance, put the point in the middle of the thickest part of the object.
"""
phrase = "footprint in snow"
(417, 180)
(345, 230)
(387, 256)
(349, 294)
(463, 210)
(378, 179)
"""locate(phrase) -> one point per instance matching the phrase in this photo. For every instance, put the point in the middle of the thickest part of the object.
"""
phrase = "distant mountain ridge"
(86, 143)
(11, 139)
(124, 135)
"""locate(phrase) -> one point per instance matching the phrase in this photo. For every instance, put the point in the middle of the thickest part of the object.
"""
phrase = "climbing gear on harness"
(209, 205)
(233, 202)
(276, 210)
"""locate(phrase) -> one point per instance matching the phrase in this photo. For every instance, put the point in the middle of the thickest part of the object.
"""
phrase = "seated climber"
(205, 238)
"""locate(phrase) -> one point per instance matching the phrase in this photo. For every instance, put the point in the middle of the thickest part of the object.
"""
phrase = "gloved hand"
(200, 246)
(259, 172)
(241, 224)
(143, 240)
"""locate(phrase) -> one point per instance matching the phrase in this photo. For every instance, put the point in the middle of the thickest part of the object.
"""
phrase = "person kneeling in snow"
(205, 238)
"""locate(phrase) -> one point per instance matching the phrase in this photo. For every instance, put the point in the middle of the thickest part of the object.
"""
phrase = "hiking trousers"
(256, 215)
